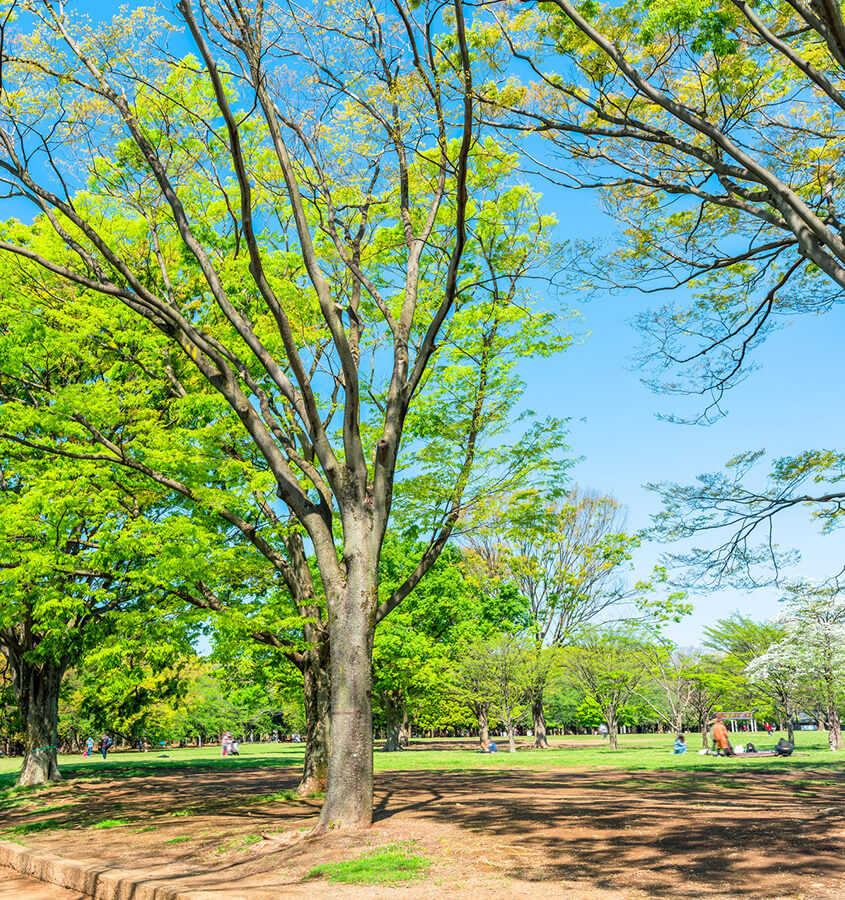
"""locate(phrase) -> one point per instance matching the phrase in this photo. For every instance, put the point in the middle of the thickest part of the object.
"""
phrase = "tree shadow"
(656, 831)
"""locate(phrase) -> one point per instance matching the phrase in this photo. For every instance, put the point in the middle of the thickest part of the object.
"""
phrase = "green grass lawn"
(636, 752)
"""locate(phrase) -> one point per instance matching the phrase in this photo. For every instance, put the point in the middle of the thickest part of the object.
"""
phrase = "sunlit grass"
(637, 752)
(393, 864)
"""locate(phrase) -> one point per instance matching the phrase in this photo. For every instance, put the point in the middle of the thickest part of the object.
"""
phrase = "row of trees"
(464, 665)
(275, 292)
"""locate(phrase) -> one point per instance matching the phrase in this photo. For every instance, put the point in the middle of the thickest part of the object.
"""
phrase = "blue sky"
(788, 405)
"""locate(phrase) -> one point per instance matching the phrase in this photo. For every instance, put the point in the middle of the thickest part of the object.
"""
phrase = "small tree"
(708, 689)
(670, 670)
(605, 664)
(499, 670)
(566, 557)
(812, 651)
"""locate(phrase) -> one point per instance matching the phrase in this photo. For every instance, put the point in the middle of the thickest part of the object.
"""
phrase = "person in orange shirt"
(720, 736)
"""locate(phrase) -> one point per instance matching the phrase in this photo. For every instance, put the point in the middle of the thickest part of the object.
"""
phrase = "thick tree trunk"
(349, 788)
(613, 733)
(790, 730)
(317, 691)
(483, 726)
(395, 715)
(540, 740)
(37, 689)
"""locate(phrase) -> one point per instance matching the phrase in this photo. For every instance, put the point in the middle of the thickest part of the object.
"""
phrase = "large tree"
(712, 130)
(318, 288)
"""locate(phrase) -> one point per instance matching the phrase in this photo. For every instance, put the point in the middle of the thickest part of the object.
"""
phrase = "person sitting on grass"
(491, 748)
(784, 747)
(680, 744)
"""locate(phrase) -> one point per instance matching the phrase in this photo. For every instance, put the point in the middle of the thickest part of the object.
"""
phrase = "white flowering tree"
(809, 662)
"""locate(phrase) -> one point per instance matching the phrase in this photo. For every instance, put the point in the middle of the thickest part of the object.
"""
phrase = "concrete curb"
(99, 882)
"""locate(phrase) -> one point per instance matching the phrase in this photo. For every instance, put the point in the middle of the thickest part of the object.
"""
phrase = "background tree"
(498, 672)
(77, 552)
(569, 558)
(671, 672)
(742, 640)
(709, 688)
(605, 665)
(811, 651)
(565, 557)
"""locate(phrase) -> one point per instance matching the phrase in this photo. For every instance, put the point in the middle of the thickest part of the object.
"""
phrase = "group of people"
(723, 747)
(105, 744)
(229, 745)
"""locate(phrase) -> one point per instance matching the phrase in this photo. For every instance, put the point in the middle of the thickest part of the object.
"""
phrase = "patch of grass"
(393, 864)
(181, 839)
(143, 828)
(239, 843)
(638, 753)
(185, 812)
(280, 797)
(110, 823)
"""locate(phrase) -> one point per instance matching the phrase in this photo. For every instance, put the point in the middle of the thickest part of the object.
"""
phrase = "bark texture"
(483, 726)
(834, 730)
(396, 717)
(613, 733)
(317, 691)
(349, 788)
(539, 718)
(37, 690)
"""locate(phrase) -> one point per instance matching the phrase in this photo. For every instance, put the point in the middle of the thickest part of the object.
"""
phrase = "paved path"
(17, 887)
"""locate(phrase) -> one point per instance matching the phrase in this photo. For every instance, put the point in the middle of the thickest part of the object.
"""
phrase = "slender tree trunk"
(613, 732)
(540, 740)
(405, 728)
(317, 692)
(834, 729)
(511, 740)
(483, 726)
(349, 787)
(703, 725)
(37, 690)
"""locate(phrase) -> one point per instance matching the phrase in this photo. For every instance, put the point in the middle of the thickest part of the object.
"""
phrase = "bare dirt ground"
(595, 834)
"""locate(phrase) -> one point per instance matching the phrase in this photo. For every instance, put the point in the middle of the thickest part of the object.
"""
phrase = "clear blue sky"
(788, 405)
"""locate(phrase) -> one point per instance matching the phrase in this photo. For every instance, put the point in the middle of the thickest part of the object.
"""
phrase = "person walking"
(105, 744)
(89, 746)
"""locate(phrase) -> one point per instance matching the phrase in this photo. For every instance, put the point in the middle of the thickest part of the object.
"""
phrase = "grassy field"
(636, 752)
